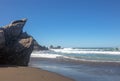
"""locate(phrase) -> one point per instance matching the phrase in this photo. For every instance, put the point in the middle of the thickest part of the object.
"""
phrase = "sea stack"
(15, 45)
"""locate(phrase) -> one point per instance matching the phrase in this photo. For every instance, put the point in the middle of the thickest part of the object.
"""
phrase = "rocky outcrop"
(15, 45)
(38, 47)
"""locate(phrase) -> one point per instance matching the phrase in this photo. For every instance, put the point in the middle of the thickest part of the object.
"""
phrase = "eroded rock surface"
(15, 45)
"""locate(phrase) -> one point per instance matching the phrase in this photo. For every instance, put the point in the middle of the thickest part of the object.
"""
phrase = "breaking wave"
(86, 51)
(44, 54)
(93, 55)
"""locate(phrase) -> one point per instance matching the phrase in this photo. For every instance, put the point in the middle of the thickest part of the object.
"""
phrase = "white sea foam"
(71, 49)
(64, 55)
(37, 55)
(85, 51)
(70, 54)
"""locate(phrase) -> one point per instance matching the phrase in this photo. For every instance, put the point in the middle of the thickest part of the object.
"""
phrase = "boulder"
(15, 45)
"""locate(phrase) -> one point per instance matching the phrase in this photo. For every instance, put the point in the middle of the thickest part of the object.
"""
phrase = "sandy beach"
(29, 74)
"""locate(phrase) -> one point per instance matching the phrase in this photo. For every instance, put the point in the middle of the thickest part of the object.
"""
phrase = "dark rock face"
(53, 47)
(15, 45)
(38, 47)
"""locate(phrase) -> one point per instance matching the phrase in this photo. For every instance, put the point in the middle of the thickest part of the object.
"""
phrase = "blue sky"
(69, 23)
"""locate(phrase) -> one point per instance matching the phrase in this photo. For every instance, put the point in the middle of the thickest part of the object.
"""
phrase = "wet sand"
(80, 70)
(29, 74)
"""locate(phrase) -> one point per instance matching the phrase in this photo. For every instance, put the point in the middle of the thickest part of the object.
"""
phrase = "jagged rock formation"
(53, 47)
(15, 45)
(38, 47)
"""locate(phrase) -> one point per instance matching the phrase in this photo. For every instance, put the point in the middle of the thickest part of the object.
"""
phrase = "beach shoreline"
(18, 73)
(88, 62)
(79, 70)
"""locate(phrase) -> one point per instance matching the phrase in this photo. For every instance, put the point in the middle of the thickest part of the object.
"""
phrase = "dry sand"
(29, 74)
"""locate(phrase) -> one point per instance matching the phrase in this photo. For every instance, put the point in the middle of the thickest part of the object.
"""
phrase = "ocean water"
(80, 64)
